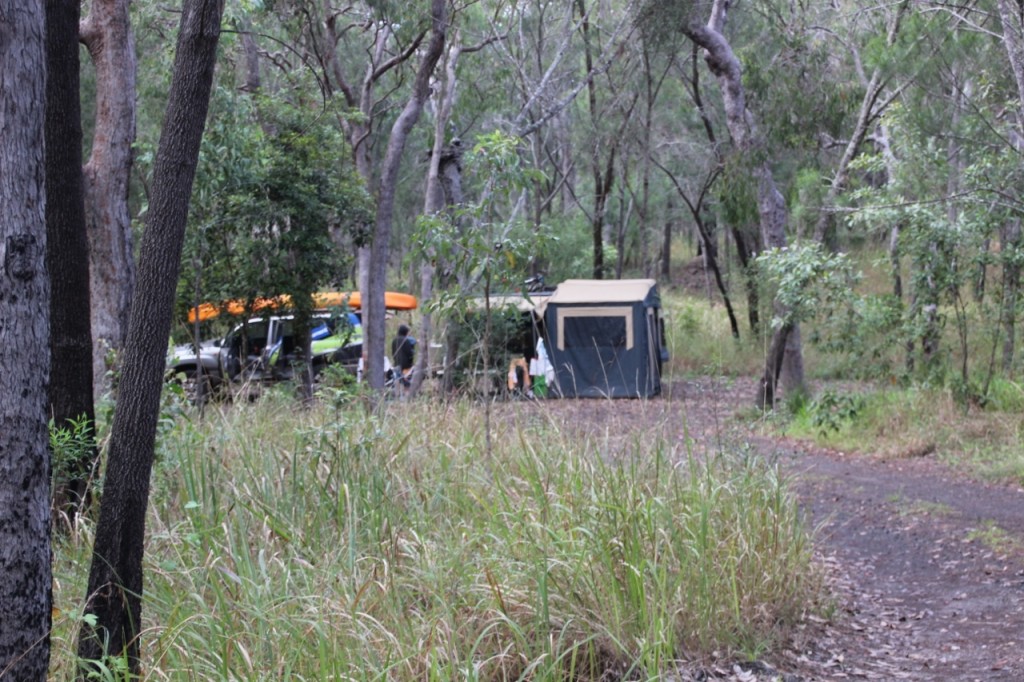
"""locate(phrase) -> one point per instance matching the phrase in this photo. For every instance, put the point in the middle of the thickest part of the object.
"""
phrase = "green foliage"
(70, 445)
(507, 335)
(485, 251)
(967, 393)
(831, 411)
(808, 196)
(869, 334)
(660, 21)
(270, 195)
(944, 237)
(479, 242)
(109, 669)
(567, 249)
(807, 280)
(737, 192)
(700, 340)
(783, 88)
(917, 421)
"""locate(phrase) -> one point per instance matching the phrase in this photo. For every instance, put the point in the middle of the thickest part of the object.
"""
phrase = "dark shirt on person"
(403, 350)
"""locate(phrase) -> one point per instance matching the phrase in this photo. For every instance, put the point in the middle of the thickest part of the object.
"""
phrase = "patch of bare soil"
(926, 567)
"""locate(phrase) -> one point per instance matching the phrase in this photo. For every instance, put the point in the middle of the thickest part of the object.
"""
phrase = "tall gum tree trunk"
(67, 253)
(107, 34)
(25, 591)
(373, 305)
(359, 130)
(750, 143)
(1012, 18)
(442, 162)
(115, 589)
(1011, 239)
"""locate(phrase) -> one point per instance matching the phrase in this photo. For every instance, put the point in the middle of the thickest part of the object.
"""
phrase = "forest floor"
(926, 566)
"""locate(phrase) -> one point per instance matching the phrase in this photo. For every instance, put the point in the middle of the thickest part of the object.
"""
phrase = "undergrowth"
(917, 422)
(330, 544)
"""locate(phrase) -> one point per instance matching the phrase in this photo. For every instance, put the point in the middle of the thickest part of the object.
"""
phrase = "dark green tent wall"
(604, 338)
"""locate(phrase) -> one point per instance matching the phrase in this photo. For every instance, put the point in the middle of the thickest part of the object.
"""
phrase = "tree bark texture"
(358, 130)
(67, 253)
(115, 578)
(749, 142)
(373, 305)
(1012, 16)
(768, 387)
(666, 244)
(107, 34)
(25, 591)
(1011, 239)
(601, 191)
(747, 243)
(444, 161)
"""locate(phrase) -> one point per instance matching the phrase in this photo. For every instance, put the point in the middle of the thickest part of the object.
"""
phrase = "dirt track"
(921, 595)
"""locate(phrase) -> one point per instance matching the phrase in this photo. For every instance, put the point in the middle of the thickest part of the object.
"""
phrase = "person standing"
(403, 354)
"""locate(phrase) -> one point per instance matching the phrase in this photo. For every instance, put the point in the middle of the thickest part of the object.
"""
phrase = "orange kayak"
(393, 300)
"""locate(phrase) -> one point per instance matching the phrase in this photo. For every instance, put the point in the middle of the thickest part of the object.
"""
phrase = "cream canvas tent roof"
(602, 291)
(535, 303)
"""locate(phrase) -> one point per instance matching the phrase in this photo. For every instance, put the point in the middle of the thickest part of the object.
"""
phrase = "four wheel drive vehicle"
(265, 349)
(182, 360)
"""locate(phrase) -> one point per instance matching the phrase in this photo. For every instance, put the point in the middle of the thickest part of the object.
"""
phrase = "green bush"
(832, 411)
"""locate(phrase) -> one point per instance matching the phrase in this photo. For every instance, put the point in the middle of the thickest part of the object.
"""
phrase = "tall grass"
(700, 341)
(329, 544)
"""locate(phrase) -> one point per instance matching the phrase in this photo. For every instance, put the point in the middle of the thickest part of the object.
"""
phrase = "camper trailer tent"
(605, 338)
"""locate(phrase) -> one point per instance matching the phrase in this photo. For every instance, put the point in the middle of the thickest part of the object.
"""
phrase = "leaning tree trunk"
(67, 254)
(25, 591)
(751, 144)
(872, 106)
(114, 595)
(768, 388)
(107, 34)
(373, 304)
(747, 244)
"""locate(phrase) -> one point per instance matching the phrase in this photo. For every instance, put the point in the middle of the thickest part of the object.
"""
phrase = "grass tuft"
(330, 545)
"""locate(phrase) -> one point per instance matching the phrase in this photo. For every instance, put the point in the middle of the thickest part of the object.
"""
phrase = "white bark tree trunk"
(107, 34)
(1013, 38)
(872, 106)
(434, 202)
(373, 304)
(771, 204)
(25, 591)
